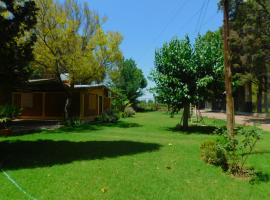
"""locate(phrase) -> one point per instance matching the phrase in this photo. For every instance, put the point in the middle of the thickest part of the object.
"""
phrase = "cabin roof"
(53, 85)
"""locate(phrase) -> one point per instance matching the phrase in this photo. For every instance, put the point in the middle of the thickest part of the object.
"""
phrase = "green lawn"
(137, 158)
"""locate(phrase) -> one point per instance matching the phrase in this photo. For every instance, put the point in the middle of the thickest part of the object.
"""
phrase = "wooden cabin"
(44, 99)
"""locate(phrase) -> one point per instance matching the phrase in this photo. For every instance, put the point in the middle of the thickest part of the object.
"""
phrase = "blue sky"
(147, 24)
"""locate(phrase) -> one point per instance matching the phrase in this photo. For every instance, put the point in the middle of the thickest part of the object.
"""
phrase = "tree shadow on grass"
(26, 128)
(44, 153)
(194, 129)
(95, 126)
(260, 177)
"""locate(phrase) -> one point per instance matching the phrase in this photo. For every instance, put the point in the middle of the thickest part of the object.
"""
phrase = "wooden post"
(228, 73)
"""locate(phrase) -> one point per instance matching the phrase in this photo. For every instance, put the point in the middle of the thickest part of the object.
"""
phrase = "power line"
(190, 19)
(179, 9)
(207, 4)
(209, 19)
(199, 19)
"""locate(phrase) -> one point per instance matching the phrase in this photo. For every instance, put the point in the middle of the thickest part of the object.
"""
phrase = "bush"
(232, 152)
(73, 123)
(7, 113)
(240, 147)
(108, 117)
(212, 154)
(129, 112)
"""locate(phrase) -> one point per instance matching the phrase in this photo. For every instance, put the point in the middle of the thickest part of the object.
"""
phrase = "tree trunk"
(259, 97)
(185, 116)
(266, 102)
(68, 106)
(228, 73)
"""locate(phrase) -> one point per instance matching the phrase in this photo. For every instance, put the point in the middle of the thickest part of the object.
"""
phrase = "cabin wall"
(86, 104)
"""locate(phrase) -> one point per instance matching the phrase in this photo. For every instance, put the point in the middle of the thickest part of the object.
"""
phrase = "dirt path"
(262, 122)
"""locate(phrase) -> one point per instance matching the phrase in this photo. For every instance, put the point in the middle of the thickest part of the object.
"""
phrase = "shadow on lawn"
(94, 126)
(44, 153)
(260, 177)
(195, 129)
(26, 128)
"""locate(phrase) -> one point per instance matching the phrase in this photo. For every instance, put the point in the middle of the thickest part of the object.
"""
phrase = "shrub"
(108, 117)
(240, 147)
(7, 113)
(73, 123)
(232, 152)
(212, 154)
(129, 112)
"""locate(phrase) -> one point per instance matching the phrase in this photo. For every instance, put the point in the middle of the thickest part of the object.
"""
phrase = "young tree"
(129, 81)
(17, 22)
(187, 75)
(175, 76)
(70, 40)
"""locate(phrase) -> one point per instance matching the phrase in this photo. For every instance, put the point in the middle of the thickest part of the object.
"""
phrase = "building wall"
(50, 105)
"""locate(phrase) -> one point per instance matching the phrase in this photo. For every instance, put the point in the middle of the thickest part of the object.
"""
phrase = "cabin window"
(27, 100)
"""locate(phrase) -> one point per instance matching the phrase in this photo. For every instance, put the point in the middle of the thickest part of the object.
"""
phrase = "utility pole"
(228, 73)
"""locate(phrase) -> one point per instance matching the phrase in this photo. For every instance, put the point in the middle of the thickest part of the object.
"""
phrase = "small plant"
(212, 154)
(73, 123)
(240, 148)
(7, 113)
(108, 117)
(129, 112)
(235, 150)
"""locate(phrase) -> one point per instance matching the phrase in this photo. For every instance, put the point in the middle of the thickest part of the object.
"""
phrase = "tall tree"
(250, 46)
(17, 22)
(71, 40)
(187, 75)
(129, 81)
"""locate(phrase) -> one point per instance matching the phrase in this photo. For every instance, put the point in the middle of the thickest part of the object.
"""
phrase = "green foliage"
(211, 153)
(71, 40)
(109, 117)
(7, 113)
(119, 100)
(175, 74)
(208, 56)
(236, 149)
(144, 106)
(187, 75)
(249, 37)
(73, 123)
(129, 81)
(240, 147)
(17, 22)
(128, 112)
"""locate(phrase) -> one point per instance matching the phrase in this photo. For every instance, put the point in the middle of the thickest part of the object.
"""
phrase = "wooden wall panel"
(55, 104)
(35, 109)
(90, 105)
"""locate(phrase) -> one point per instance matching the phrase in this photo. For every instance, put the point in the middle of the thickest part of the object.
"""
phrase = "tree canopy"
(17, 22)
(185, 74)
(129, 81)
(249, 42)
(70, 40)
